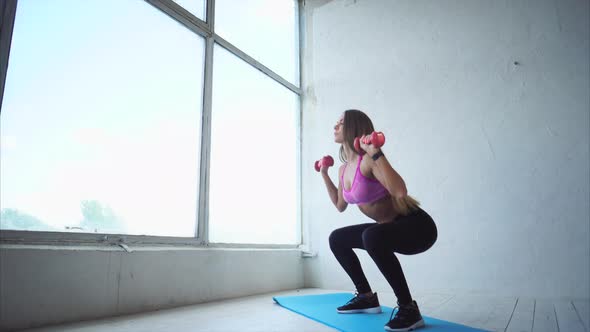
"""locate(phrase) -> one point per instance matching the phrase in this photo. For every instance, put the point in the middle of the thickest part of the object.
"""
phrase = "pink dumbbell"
(377, 139)
(326, 161)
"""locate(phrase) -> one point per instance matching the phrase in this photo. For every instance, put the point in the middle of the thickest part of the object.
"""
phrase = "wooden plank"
(485, 312)
(428, 302)
(583, 310)
(544, 320)
(567, 317)
(499, 317)
(522, 317)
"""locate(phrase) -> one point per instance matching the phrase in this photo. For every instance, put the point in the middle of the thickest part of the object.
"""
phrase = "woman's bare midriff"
(381, 211)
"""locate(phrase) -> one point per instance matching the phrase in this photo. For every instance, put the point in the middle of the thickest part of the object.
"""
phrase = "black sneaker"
(407, 318)
(361, 304)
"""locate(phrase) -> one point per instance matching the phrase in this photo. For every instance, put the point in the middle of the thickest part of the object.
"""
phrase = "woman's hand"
(370, 149)
(323, 164)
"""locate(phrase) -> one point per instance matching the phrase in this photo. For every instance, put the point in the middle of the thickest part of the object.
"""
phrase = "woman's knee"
(335, 239)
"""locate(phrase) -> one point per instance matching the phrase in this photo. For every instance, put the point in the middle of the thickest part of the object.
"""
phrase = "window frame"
(200, 239)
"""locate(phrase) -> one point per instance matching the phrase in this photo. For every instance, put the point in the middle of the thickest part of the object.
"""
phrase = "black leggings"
(408, 235)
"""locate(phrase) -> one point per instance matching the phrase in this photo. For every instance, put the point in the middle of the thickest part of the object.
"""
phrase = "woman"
(368, 180)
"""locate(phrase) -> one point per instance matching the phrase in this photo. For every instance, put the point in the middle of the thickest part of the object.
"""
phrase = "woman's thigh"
(349, 236)
(409, 235)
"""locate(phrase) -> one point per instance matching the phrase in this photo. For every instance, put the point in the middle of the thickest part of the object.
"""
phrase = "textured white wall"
(485, 106)
(47, 285)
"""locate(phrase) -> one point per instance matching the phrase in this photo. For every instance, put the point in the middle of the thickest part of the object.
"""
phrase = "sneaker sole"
(376, 310)
(414, 326)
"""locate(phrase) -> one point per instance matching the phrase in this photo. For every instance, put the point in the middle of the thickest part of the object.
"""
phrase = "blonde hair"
(405, 205)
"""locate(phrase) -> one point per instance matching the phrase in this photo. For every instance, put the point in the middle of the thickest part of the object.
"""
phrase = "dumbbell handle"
(377, 139)
(326, 161)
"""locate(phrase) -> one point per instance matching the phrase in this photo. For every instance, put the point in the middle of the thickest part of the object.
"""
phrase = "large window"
(102, 125)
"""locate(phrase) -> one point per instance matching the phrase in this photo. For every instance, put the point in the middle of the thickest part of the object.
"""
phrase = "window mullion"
(211, 15)
(203, 221)
(7, 13)
(302, 233)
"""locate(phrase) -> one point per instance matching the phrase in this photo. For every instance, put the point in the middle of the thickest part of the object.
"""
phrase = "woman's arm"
(335, 193)
(384, 172)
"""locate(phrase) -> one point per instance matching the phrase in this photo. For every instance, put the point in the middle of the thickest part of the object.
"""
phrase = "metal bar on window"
(7, 13)
(182, 15)
(108, 240)
(203, 223)
(211, 14)
(300, 232)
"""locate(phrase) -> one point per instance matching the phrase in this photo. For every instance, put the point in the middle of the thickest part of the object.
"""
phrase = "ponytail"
(405, 205)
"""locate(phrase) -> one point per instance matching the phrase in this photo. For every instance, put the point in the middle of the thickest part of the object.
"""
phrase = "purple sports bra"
(363, 190)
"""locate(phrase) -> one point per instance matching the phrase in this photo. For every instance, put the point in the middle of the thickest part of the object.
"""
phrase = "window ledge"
(117, 242)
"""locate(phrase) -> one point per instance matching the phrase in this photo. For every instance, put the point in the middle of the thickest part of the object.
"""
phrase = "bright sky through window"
(101, 119)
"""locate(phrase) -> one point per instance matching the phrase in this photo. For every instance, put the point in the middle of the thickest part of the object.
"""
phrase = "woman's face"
(339, 130)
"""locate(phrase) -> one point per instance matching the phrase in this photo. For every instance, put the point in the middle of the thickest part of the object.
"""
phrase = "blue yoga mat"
(322, 308)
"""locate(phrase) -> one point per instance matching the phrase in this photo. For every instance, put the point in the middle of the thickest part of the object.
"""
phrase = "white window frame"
(206, 30)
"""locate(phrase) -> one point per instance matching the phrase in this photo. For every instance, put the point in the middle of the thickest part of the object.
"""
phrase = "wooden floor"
(260, 314)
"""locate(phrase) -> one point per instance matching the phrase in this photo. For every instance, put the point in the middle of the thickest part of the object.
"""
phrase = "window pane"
(253, 182)
(267, 30)
(195, 7)
(101, 120)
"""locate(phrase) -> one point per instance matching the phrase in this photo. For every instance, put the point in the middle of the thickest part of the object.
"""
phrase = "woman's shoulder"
(366, 167)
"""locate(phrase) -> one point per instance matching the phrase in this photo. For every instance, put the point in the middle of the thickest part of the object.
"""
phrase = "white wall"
(45, 285)
(485, 107)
